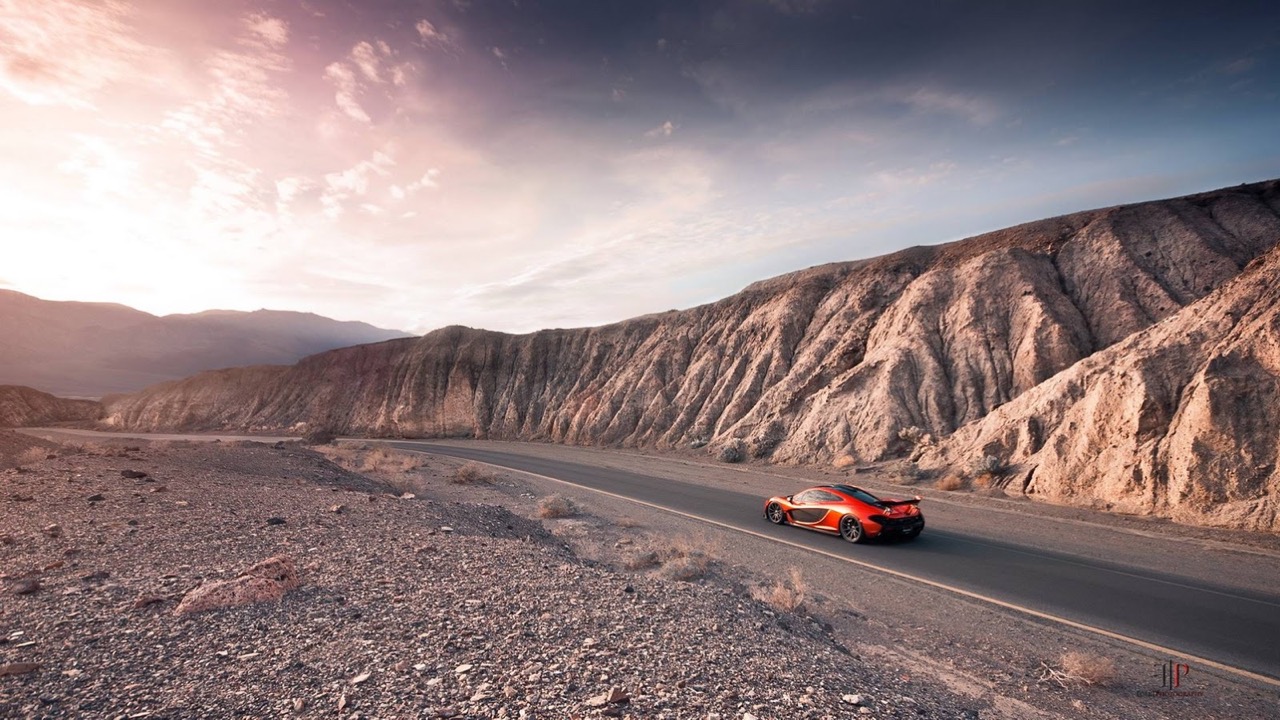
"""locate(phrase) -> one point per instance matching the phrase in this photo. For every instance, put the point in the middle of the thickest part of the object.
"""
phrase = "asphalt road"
(1237, 628)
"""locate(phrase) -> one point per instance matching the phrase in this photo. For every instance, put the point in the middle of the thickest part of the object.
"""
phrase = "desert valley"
(1117, 360)
(662, 360)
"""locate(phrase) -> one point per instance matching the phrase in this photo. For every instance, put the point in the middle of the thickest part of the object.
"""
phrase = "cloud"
(431, 35)
(664, 130)
(243, 88)
(1239, 66)
(65, 52)
(345, 90)
(972, 108)
(353, 182)
(372, 62)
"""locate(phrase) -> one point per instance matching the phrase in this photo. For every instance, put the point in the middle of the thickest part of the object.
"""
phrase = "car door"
(813, 508)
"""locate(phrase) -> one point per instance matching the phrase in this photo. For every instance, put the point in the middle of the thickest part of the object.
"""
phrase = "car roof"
(848, 489)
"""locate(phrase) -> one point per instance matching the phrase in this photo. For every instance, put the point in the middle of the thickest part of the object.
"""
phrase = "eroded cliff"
(834, 359)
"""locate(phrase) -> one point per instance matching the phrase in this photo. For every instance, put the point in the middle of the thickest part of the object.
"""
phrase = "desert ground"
(436, 588)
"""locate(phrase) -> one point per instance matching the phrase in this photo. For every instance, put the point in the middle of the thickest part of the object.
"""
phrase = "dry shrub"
(366, 458)
(642, 560)
(1078, 668)
(844, 461)
(687, 568)
(734, 451)
(556, 506)
(626, 521)
(687, 557)
(471, 474)
(1089, 668)
(910, 474)
(32, 455)
(783, 596)
(985, 481)
(319, 436)
(950, 481)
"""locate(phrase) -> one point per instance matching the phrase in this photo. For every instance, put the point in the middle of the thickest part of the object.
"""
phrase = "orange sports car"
(850, 512)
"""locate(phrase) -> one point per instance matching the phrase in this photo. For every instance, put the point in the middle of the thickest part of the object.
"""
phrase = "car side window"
(815, 497)
(806, 497)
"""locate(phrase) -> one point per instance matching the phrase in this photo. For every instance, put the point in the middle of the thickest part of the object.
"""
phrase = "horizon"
(515, 167)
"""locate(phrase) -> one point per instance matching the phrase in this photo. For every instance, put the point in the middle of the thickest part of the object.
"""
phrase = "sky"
(517, 165)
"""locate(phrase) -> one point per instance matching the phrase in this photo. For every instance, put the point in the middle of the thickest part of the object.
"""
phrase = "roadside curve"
(1220, 628)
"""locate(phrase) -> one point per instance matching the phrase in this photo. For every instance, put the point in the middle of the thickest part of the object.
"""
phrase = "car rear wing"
(913, 501)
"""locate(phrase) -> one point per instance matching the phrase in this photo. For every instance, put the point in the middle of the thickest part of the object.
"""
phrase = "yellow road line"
(917, 579)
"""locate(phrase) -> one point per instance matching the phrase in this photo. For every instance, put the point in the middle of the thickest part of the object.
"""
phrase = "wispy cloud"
(373, 63)
(662, 131)
(64, 52)
(973, 108)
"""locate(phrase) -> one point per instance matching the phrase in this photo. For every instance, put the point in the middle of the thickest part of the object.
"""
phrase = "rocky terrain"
(808, 367)
(1178, 420)
(24, 406)
(410, 605)
(82, 349)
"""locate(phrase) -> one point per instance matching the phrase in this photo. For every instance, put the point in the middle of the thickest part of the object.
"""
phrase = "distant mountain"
(83, 349)
(1124, 343)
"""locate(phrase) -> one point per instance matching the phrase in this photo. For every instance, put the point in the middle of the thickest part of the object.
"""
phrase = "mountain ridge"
(802, 368)
(89, 349)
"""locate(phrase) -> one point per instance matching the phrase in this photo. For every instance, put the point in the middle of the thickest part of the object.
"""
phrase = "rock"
(337, 509)
(463, 669)
(96, 498)
(7, 539)
(359, 678)
(852, 699)
(18, 668)
(299, 705)
(96, 575)
(613, 697)
(275, 521)
(132, 474)
(52, 531)
(24, 586)
(266, 581)
(145, 601)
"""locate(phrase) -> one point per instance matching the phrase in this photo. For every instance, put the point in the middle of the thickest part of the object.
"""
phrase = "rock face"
(21, 406)
(92, 349)
(803, 367)
(1179, 420)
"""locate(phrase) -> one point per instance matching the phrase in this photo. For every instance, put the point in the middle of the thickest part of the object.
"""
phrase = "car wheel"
(851, 529)
(775, 514)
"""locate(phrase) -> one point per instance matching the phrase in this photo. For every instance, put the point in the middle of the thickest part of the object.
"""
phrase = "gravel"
(494, 617)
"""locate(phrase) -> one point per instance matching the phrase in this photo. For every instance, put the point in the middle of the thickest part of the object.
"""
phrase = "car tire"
(775, 514)
(851, 529)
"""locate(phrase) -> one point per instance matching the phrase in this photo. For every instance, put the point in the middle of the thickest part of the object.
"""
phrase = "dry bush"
(687, 568)
(783, 596)
(845, 461)
(992, 465)
(626, 521)
(319, 436)
(951, 481)
(687, 557)
(642, 560)
(471, 474)
(32, 455)
(734, 451)
(556, 506)
(1079, 668)
(1091, 668)
(909, 474)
